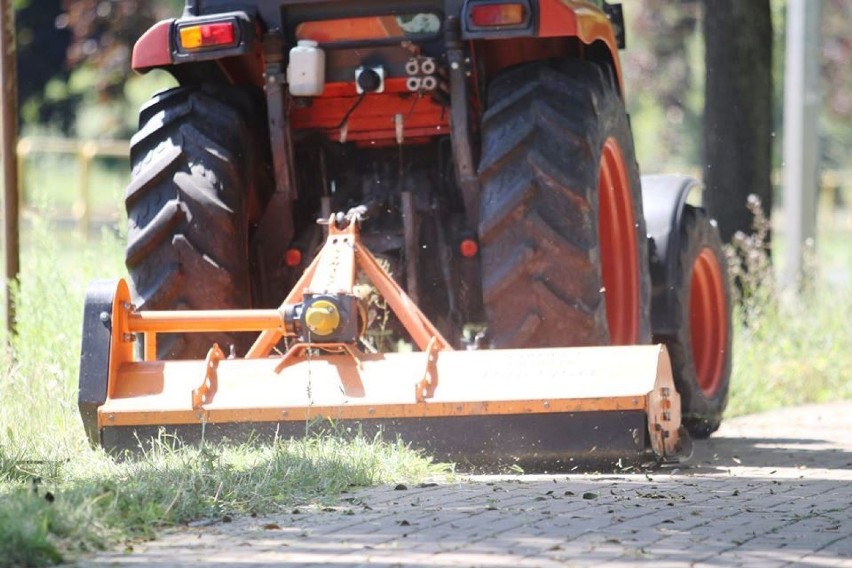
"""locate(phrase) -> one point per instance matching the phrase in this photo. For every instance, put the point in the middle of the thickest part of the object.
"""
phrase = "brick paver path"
(766, 490)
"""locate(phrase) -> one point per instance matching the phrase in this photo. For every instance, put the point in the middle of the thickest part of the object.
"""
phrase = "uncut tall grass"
(793, 344)
(41, 435)
(800, 352)
(38, 413)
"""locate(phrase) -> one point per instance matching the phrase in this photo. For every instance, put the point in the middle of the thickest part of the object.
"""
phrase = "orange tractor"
(471, 165)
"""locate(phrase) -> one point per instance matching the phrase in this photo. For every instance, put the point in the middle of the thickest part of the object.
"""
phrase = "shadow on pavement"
(783, 452)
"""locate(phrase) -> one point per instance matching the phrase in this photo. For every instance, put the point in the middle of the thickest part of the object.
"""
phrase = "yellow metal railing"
(85, 152)
(835, 185)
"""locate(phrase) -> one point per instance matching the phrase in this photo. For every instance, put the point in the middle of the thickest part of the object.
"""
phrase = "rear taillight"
(217, 34)
(497, 15)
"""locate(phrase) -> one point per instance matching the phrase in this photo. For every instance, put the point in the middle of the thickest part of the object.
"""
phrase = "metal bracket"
(465, 165)
(205, 391)
(663, 419)
(333, 270)
(296, 351)
(278, 115)
(425, 388)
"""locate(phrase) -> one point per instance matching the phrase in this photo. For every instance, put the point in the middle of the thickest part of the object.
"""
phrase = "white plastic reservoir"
(306, 70)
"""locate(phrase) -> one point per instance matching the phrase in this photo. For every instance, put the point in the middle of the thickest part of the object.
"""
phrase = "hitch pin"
(203, 394)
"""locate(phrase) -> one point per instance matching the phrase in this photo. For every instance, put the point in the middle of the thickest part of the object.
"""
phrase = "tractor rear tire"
(187, 244)
(700, 350)
(561, 228)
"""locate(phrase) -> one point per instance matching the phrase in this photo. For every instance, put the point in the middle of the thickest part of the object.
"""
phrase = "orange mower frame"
(577, 404)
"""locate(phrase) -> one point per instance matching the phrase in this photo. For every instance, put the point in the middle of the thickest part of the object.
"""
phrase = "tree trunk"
(738, 110)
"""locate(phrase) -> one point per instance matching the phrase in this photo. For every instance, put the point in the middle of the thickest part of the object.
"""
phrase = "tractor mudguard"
(541, 35)
(546, 18)
(154, 49)
(664, 198)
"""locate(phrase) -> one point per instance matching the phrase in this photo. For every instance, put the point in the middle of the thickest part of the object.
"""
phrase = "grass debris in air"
(60, 498)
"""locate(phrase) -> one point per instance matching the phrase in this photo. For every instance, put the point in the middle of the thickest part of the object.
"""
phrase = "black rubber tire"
(701, 414)
(192, 170)
(542, 140)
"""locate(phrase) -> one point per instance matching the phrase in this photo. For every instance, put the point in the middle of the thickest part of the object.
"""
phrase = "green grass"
(792, 348)
(800, 352)
(51, 510)
(55, 179)
(60, 498)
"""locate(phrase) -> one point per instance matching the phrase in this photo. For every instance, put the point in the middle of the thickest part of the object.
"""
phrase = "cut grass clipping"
(60, 498)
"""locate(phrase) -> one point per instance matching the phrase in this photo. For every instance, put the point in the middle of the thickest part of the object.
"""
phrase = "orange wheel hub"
(617, 235)
(708, 321)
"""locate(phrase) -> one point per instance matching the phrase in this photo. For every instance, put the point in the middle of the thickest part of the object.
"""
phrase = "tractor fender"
(664, 199)
(551, 20)
(560, 18)
(154, 48)
(577, 18)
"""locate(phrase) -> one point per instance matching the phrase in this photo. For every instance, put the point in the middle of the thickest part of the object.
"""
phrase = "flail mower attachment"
(555, 406)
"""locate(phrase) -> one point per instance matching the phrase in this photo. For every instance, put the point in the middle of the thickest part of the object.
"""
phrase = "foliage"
(789, 348)
(750, 267)
(74, 64)
(663, 69)
(52, 511)
(41, 65)
(837, 75)
(664, 76)
(837, 44)
(102, 38)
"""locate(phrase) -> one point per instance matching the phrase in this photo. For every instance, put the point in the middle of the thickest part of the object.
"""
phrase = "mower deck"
(563, 405)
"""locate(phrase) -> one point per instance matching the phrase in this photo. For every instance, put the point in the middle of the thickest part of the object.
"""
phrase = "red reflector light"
(469, 248)
(208, 35)
(293, 257)
(494, 15)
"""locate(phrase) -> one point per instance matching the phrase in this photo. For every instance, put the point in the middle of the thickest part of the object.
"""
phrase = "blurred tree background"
(74, 64)
(665, 73)
(75, 78)
(837, 74)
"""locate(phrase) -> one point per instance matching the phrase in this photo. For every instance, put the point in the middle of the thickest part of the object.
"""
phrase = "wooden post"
(801, 138)
(9, 137)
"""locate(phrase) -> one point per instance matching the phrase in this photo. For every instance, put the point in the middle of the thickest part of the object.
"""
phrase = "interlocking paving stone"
(768, 490)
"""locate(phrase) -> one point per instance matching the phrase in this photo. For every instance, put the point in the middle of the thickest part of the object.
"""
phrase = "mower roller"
(557, 308)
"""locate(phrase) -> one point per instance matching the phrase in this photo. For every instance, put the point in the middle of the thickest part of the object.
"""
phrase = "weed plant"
(791, 346)
(59, 497)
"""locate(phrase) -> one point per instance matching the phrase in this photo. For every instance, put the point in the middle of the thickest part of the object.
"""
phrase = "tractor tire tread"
(187, 241)
(700, 414)
(541, 138)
